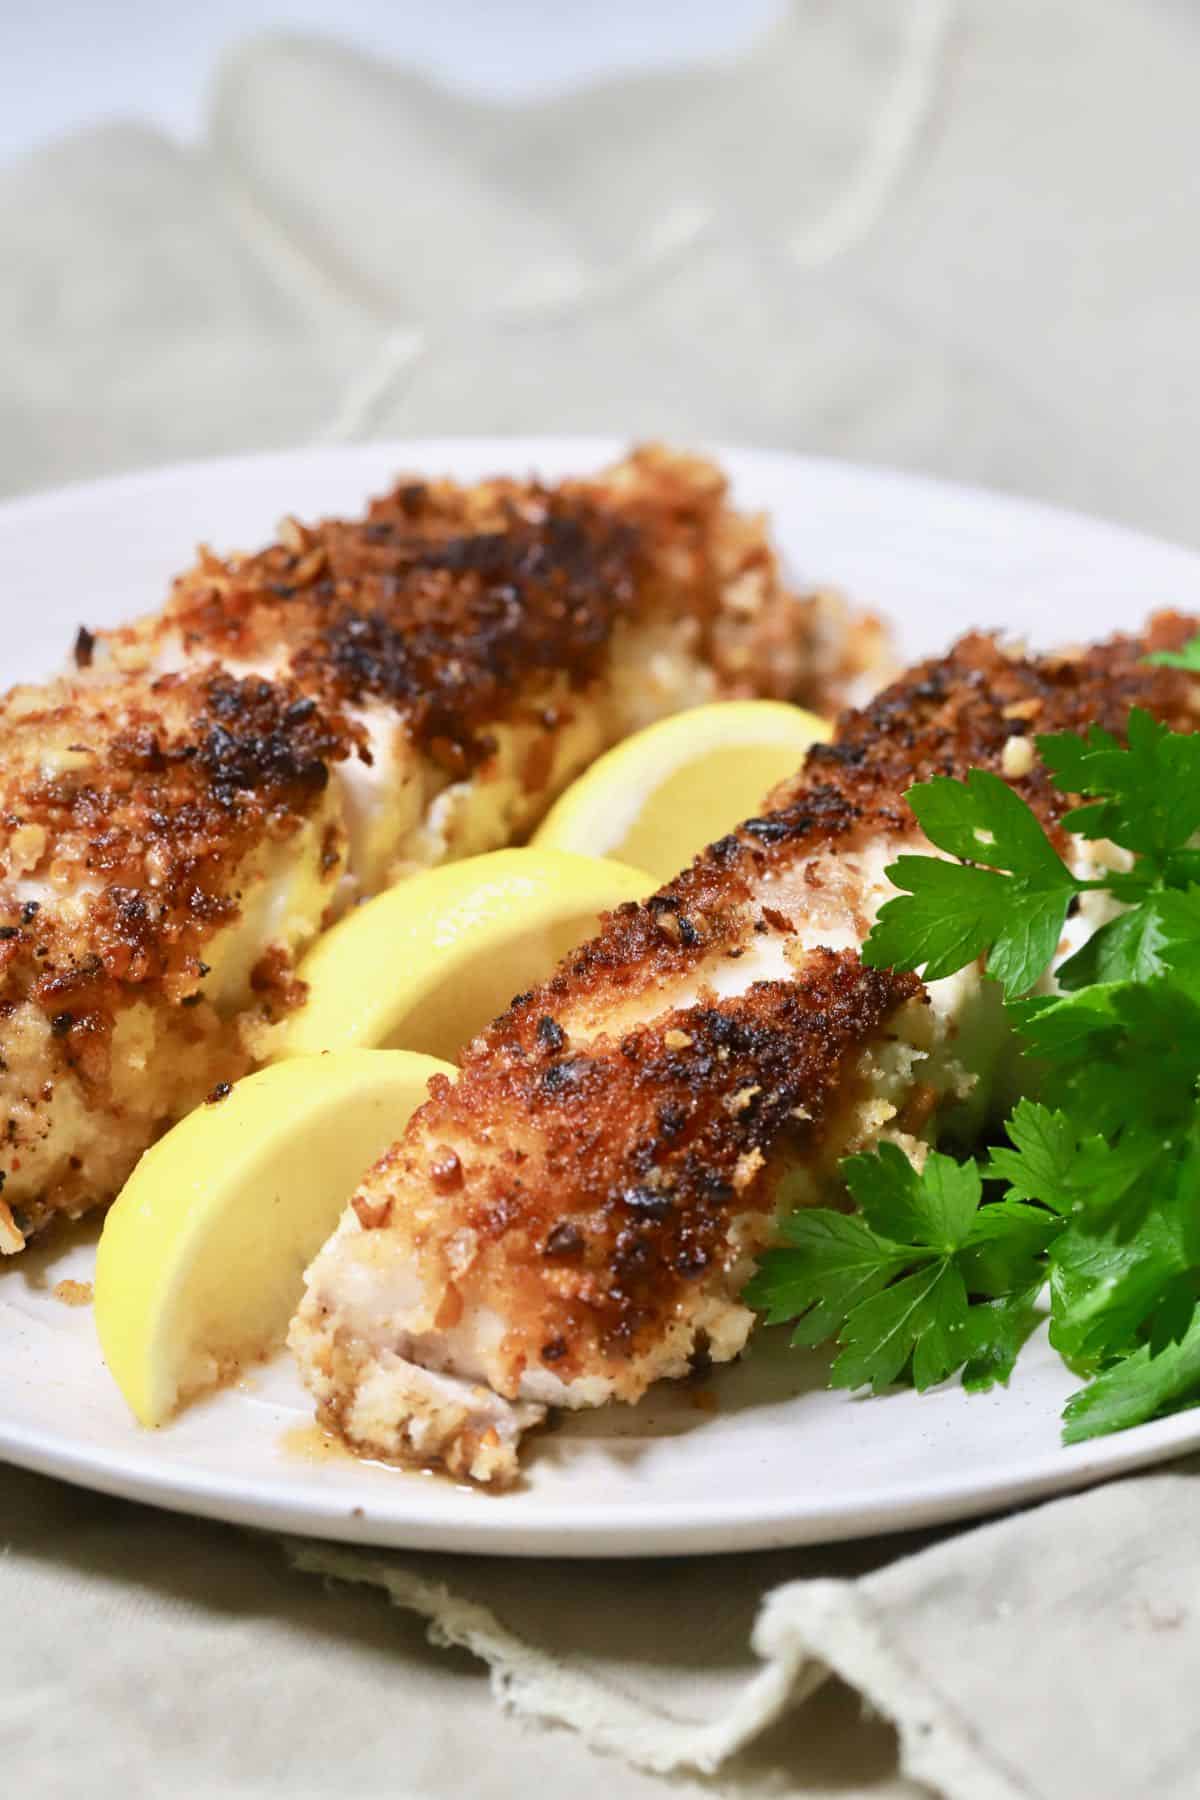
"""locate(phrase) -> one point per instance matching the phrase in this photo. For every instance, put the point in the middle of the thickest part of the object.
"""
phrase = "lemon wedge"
(661, 795)
(201, 1259)
(431, 961)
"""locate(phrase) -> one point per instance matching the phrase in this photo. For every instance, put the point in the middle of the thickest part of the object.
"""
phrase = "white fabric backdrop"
(942, 233)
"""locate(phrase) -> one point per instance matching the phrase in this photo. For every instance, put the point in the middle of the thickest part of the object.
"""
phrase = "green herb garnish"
(1095, 1190)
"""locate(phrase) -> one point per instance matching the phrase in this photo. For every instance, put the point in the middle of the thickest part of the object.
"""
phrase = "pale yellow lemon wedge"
(431, 961)
(201, 1260)
(660, 796)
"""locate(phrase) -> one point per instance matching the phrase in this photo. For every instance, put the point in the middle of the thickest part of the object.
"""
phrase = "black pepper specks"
(561, 1076)
(649, 1202)
(672, 1117)
(563, 1239)
(770, 830)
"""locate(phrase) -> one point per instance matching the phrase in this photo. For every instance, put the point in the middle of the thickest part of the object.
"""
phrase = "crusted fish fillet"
(576, 1216)
(298, 727)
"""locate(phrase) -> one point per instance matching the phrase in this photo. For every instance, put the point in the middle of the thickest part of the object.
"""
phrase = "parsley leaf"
(1178, 916)
(1123, 1060)
(948, 917)
(919, 1319)
(1105, 1285)
(1013, 909)
(936, 1207)
(1069, 1026)
(951, 913)
(1137, 1389)
(1127, 948)
(894, 1284)
(1150, 792)
(1080, 1176)
(834, 1262)
(983, 820)
(996, 1332)
(1039, 1160)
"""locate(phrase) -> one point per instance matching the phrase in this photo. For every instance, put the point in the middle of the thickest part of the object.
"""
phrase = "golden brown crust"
(132, 807)
(616, 1192)
(443, 600)
(423, 606)
(948, 715)
(140, 822)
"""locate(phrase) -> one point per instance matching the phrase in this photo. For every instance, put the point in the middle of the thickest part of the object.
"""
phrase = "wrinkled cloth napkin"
(942, 234)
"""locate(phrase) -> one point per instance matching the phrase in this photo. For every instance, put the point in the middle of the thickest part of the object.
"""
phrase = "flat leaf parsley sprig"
(1095, 1189)
(893, 1281)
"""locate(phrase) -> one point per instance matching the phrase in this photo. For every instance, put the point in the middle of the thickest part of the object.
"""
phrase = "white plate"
(782, 1460)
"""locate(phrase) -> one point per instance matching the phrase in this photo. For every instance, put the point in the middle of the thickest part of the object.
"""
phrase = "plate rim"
(593, 449)
(695, 1529)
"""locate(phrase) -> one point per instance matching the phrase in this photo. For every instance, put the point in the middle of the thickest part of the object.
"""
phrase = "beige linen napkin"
(947, 235)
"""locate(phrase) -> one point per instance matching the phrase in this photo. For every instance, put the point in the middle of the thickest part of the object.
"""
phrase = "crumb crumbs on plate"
(73, 1293)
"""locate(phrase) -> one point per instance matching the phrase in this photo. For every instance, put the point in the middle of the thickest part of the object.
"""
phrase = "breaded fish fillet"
(577, 1215)
(300, 727)
(168, 843)
(491, 641)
